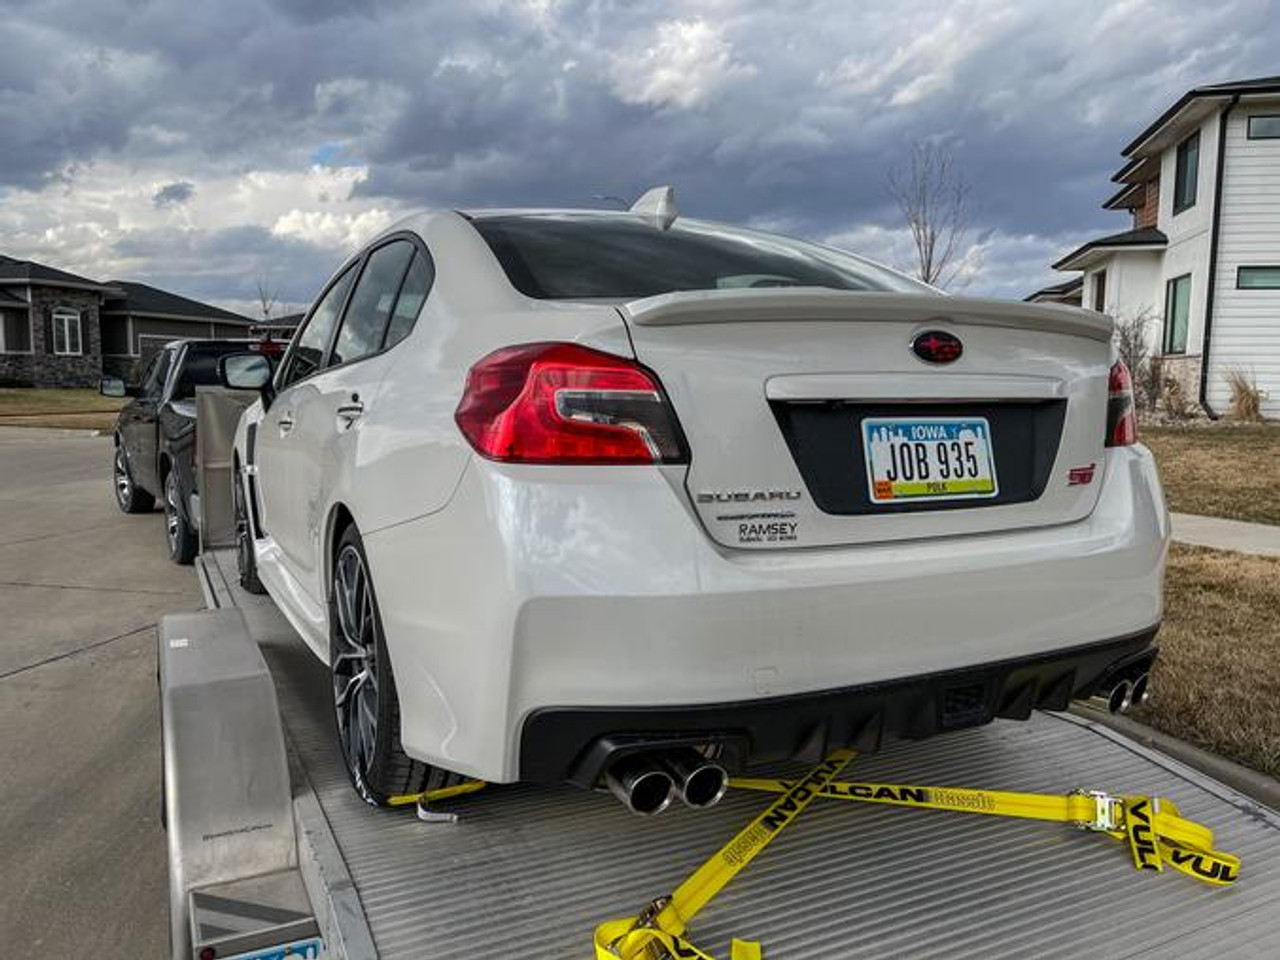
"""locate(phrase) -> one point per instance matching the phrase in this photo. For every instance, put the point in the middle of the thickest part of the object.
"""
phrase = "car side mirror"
(112, 387)
(247, 371)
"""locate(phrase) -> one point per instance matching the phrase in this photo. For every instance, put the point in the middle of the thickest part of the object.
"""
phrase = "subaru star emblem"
(937, 346)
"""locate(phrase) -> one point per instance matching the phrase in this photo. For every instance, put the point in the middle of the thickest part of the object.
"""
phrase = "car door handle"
(285, 425)
(348, 414)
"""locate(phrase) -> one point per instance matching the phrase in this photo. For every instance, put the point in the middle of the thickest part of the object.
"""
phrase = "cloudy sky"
(201, 146)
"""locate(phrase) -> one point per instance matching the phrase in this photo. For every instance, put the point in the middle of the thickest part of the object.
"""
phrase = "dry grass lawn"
(74, 409)
(1227, 470)
(1217, 681)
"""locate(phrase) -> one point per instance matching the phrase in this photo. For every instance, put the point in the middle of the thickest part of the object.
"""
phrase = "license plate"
(309, 949)
(928, 458)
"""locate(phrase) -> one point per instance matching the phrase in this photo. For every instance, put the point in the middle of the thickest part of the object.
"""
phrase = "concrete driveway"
(81, 588)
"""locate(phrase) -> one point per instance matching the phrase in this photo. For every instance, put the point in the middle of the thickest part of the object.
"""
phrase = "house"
(279, 328)
(58, 329)
(1068, 292)
(145, 318)
(1201, 260)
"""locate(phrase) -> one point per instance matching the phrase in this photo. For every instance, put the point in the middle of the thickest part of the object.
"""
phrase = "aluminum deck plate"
(529, 871)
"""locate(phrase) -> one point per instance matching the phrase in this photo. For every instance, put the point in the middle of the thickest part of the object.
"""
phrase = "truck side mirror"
(247, 371)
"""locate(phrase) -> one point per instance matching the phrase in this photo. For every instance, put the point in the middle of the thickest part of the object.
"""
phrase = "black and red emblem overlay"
(937, 346)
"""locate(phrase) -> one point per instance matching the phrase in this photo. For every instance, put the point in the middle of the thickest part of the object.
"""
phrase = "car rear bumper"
(577, 744)
(536, 608)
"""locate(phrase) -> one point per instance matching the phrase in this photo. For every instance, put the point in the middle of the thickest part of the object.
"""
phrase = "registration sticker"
(928, 458)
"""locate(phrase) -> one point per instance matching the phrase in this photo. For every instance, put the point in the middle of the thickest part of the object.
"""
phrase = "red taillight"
(1122, 416)
(563, 403)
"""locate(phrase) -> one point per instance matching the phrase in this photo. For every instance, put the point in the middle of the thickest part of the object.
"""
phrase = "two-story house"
(58, 329)
(1202, 258)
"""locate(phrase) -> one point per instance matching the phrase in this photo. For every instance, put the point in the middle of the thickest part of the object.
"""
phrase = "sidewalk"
(1257, 538)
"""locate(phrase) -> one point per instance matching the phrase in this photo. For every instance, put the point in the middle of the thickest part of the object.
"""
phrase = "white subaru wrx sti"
(628, 498)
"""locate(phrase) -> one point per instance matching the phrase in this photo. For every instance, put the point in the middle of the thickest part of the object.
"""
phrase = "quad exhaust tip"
(700, 782)
(1123, 695)
(1120, 698)
(646, 783)
(1141, 691)
(643, 786)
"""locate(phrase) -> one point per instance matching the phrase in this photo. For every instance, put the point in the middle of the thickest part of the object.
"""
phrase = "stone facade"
(126, 368)
(41, 366)
(1180, 373)
(17, 369)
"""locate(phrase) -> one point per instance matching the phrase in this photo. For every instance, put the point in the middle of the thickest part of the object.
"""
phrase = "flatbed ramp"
(529, 871)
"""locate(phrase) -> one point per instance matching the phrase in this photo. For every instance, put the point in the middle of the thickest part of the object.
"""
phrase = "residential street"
(81, 587)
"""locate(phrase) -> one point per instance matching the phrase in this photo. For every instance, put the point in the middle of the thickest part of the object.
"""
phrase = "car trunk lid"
(785, 393)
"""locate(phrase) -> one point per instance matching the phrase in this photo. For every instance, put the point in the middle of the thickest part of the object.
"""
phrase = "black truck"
(155, 435)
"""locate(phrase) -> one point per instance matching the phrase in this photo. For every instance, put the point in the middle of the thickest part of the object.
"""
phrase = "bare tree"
(268, 292)
(1145, 368)
(934, 199)
(1131, 338)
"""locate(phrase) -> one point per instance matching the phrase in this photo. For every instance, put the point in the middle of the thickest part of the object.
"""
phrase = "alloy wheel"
(172, 518)
(121, 471)
(244, 542)
(355, 675)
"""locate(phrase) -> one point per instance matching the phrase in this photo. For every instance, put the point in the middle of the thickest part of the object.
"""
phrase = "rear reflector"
(564, 403)
(1122, 416)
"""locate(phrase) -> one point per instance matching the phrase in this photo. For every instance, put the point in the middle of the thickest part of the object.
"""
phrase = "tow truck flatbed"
(529, 871)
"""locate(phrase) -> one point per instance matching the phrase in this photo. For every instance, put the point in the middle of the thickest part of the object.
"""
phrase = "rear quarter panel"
(410, 455)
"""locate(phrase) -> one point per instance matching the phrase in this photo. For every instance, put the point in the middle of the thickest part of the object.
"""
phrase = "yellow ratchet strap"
(1156, 832)
(1154, 828)
(443, 793)
(659, 929)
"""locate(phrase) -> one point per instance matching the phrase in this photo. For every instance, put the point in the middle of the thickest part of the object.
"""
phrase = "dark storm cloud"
(787, 113)
(174, 194)
(226, 264)
(1035, 107)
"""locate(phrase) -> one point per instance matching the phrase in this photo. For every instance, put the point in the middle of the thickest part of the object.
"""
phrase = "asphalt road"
(82, 859)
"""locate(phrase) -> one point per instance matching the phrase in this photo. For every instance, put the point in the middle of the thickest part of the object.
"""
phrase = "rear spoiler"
(815, 303)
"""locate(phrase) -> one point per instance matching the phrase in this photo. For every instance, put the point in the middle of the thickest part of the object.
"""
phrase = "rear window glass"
(583, 256)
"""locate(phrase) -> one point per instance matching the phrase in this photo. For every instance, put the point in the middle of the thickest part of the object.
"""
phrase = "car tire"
(246, 561)
(367, 711)
(182, 540)
(130, 498)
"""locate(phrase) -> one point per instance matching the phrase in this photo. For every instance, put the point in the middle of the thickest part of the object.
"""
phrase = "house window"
(1258, 278)
(1264, 127)
(1184, 179)
(15, 332)
(1177, 313)
(66, 333)
(1100, 291)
